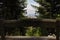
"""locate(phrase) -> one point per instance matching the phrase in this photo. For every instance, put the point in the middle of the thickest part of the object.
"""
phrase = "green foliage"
(48, 8)
(44, 32)
(33, 31)
(36, 31)
(13, 32)
(16, 32)
(12, 9)
(29, 31)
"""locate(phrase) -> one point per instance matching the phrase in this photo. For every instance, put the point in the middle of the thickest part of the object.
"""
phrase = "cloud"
(32, 2)
(29, 7)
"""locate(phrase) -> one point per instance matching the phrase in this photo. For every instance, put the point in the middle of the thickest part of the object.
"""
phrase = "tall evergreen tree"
(12, 9)
(48, 8)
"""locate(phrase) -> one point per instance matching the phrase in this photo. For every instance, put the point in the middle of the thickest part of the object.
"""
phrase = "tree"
(12, 9)
(48, 8)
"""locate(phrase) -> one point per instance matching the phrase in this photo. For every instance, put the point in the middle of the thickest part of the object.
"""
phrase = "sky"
(30, 9)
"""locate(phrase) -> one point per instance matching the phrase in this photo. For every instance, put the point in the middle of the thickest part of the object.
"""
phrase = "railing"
(29, 38)
(20, 21)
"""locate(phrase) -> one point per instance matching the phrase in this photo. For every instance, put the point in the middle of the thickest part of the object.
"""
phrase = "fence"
(27, 22)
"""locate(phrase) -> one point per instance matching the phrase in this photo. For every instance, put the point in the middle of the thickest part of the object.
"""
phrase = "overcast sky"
(30, 9)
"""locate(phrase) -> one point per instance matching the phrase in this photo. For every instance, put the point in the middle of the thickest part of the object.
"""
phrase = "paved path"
(29, 38)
